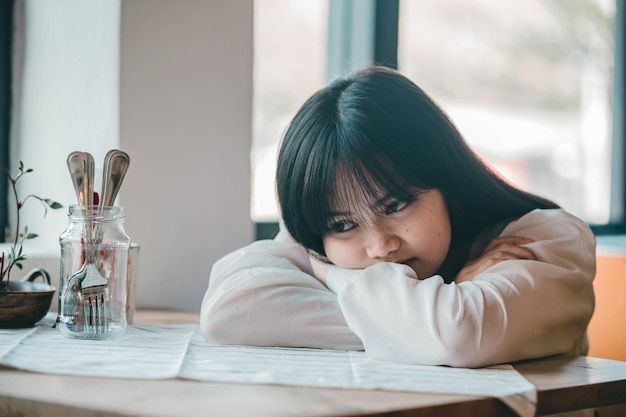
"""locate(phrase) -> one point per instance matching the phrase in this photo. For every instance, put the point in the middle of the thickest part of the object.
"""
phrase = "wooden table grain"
(563, 384)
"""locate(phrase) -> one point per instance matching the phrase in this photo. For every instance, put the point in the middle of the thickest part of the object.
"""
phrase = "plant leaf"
(52, 204)
(31, 235)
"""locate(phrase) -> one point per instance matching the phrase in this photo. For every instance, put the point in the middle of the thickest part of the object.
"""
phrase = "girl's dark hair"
(382, 129)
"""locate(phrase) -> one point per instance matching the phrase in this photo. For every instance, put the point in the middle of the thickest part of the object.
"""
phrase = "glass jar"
(94, 261)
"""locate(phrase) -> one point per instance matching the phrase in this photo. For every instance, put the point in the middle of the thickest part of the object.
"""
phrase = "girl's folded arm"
(263, 295)
(517, 309)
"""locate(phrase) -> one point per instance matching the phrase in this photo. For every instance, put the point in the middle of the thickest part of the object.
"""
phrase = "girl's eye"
(341, 227)
(396, 206)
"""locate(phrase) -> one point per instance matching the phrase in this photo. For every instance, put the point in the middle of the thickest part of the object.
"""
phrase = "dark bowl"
(25, 302)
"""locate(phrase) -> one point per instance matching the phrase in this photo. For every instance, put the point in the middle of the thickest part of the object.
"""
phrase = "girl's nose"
(381, 243)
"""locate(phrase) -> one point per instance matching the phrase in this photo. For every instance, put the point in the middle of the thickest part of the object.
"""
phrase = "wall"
(185, 120)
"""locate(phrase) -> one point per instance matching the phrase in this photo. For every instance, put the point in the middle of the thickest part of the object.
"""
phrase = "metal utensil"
(94, 287)
(76, 164)
(72, 293)
(116, 164)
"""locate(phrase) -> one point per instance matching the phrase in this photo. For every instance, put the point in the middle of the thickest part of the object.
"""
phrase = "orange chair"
(607, 329)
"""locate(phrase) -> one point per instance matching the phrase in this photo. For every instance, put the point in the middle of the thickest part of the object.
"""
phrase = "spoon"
(116, 164)
(77, 165)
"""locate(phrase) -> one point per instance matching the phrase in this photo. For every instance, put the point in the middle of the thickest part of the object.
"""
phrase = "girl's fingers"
(512, 240)
(508, 251)
(498, 250)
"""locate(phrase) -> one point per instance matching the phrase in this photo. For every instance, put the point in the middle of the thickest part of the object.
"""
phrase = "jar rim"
(77, 211)
(94, 206)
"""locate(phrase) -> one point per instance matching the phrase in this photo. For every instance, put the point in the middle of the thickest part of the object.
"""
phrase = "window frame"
(6, 77)
(617, 218)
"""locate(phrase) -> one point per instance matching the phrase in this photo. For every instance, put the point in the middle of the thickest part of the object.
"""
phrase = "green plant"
(15, 255)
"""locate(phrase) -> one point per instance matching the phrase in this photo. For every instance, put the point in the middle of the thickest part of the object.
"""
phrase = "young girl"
(400, 241)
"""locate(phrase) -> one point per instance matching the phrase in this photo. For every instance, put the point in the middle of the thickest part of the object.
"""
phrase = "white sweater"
(264, 295)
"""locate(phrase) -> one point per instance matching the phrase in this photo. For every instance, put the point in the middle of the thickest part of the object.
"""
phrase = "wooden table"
(563, 384)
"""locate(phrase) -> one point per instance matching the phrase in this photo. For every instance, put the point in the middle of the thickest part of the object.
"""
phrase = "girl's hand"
(320, 268)
(499, 249)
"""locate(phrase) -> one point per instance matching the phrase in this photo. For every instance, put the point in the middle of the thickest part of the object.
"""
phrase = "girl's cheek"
(341, 253)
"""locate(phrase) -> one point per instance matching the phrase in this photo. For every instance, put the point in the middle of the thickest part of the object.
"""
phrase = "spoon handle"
(116, 164)
(76, 164)
(89, 177)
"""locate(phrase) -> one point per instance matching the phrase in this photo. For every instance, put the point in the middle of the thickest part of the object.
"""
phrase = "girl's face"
(415, 233)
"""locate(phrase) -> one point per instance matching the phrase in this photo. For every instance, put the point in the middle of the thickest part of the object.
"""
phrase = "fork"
(94, 287)
(95, 292)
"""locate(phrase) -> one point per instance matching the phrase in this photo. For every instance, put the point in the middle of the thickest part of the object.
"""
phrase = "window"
(290, 42)
(298, 47)
(528, 83)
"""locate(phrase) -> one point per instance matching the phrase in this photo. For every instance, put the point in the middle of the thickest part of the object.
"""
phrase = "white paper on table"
(170, 351)
(143, 352)
(352, 369)
(10, 338)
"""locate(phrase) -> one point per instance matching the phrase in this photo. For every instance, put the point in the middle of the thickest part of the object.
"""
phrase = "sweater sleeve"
(264, 295)
(517, 309)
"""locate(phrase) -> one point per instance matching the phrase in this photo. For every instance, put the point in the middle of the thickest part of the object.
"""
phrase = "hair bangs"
(363, 184)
